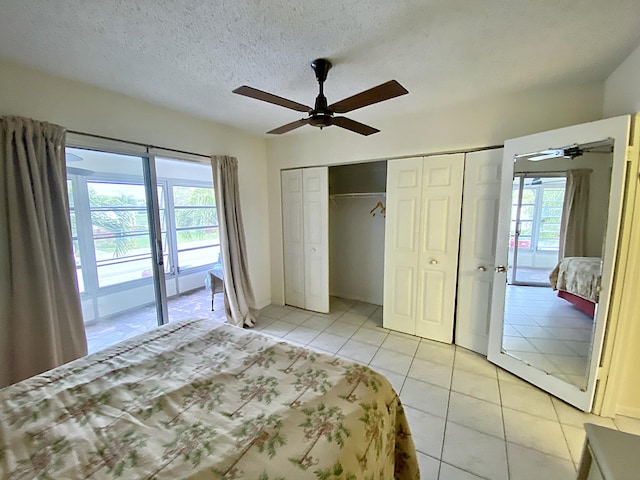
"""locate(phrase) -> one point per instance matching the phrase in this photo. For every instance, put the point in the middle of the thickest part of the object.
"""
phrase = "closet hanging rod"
(357, 195)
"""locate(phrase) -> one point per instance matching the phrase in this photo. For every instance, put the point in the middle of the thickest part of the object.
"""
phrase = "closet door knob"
(434, 262)
(501, 269)
(482, 268)
(313, 250)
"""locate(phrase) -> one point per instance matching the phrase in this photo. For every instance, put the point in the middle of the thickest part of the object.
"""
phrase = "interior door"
(535, 365)
(439, 233)
(293, 238)
(315, 198)
(401, 251)
(481, 194)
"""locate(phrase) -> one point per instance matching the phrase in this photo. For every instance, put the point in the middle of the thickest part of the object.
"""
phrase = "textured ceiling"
(188, 55)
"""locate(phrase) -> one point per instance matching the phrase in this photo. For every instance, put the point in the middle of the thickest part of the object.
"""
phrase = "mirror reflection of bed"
(559, 215)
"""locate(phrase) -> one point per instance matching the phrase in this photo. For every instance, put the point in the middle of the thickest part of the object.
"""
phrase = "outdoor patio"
(194, 304)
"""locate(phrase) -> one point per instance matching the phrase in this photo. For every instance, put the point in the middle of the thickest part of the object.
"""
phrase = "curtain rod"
(102, 137)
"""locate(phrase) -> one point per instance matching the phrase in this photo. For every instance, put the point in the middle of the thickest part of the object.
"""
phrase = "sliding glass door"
(112, 226)
(144, 230)
(536, 215)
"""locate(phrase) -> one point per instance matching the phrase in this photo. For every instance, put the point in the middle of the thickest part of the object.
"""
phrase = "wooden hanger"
(380, 206)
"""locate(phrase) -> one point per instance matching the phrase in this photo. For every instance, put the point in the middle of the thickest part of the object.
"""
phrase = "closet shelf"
(357, 195)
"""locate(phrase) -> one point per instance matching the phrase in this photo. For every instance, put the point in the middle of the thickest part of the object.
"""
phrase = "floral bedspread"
(579, 276)
(199, 399)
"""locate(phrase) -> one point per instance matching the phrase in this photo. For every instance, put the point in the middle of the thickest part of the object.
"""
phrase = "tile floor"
(554, 336)
(469, 419)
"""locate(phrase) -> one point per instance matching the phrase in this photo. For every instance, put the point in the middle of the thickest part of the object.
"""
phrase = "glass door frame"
(155, 238)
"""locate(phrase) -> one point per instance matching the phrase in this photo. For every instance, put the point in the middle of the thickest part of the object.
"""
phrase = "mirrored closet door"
(560, 206)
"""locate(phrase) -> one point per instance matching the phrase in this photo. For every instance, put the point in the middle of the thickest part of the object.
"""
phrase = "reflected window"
(540, 214)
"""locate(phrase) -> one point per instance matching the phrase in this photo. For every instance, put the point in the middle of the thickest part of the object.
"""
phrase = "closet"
(357, 206)
(416, 235)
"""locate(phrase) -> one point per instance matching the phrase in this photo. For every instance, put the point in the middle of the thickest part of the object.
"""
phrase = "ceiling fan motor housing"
(321, 120)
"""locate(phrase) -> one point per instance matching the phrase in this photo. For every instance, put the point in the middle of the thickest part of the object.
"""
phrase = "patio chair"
(214, 282)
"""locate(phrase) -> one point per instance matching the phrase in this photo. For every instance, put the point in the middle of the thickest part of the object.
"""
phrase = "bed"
(199, 399)
(577, 280)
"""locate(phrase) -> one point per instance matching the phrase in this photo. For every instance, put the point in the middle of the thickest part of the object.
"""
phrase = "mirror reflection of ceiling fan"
(323, 115)
(570, 151)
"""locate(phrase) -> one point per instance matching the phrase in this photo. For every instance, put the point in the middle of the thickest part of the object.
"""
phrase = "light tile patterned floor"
(469, 419)
(548, 332)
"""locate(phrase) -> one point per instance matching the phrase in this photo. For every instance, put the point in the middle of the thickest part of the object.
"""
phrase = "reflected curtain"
(40, 313)
(573, 228)
(239, 301)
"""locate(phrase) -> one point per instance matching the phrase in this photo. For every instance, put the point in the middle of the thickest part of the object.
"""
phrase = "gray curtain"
(238, 295)
(40, 315)
(573, 229)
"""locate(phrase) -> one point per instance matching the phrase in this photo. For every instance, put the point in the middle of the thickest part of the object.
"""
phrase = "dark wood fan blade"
(388, 90)
(268, 97)
(289, 126)
(354, 126)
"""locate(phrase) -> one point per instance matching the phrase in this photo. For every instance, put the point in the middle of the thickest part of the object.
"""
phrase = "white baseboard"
(626, 411)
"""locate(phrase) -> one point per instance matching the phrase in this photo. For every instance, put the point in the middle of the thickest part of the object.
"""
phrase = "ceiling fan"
(322, 115)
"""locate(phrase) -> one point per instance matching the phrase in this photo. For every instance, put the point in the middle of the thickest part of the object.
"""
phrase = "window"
(196, 226)
(74, 236)
(120, 230)
(540, 214)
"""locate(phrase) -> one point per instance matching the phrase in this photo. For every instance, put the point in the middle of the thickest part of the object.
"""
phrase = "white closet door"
(480, 206)
(293, 238)
(315, 197)
(401, 250)
(439, 236)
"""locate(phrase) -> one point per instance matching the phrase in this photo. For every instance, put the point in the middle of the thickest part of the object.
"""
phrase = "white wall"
(622, 88)
(356, 249)
(81, 107)
(482, 123)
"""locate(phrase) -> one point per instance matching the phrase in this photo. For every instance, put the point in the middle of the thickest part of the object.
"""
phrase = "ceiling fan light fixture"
(322, 115)
(321, 120)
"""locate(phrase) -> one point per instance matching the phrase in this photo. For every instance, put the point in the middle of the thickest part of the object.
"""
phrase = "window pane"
(74, 228)
(196, 217)
(116, 194)
(196, 222)
(70, 191)
(189, 196)
(526, 212)
(124, 272)
(76, 255)
(525, 229)
(198, 257)
(121, 246)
